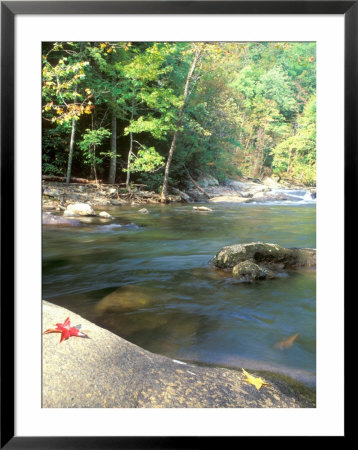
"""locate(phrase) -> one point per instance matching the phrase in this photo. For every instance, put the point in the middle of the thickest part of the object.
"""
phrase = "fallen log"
(185, 197)
(72, 180)
(199, 188)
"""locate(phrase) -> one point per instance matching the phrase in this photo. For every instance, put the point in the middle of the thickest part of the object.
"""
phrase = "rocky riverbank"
(105, 371)
(56, 196)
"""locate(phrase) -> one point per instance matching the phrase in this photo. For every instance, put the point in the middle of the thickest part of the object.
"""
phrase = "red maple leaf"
(66, 330)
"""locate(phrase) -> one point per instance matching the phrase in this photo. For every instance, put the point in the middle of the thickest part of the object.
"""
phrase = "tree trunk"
(129, 161)
(113, 163)
(130, 149)
(163, 197)
(70, 156)
(201, 190)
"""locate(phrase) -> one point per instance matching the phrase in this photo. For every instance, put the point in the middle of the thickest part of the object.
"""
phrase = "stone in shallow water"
(202, 208)
(79, 209)
(51, 219)
(105, 215)
(126, 298)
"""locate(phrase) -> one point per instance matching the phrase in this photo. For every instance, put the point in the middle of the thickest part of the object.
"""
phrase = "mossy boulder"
(266, 255)
(249, 271)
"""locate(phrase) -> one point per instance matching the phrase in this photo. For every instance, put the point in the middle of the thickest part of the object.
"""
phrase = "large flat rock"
(106, 371)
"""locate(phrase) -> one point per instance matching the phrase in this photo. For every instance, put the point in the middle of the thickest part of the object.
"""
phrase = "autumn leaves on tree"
(154, 112)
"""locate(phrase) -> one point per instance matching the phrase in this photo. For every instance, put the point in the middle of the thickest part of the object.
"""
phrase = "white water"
(293, 196)
(280, 196)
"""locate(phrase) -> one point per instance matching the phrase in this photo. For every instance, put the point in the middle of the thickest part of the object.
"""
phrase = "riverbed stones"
(115, 202)
(79, 209)
(51, 192)
(106, 371)
(247, 187)
(143, 211)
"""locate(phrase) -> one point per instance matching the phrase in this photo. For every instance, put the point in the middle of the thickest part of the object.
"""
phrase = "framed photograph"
(169, 171)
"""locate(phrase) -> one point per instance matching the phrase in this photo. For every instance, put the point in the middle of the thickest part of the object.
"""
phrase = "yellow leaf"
(88, 109)
(103, 45)
(256, 381)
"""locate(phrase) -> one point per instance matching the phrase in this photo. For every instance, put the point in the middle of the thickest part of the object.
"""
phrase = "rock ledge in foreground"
(106, 371)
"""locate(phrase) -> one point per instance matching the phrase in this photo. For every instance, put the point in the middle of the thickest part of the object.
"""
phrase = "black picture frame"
(9, 10)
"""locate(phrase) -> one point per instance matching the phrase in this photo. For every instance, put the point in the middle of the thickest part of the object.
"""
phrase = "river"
(147, 278)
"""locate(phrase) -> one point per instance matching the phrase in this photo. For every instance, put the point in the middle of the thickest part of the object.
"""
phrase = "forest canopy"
(151, 112)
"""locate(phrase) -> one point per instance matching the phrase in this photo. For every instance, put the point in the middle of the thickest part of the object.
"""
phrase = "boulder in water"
(143, 211)
(105, 215)
(265, 254)
(202, 208)
(258, 260)
(79, 209)
(249, 271)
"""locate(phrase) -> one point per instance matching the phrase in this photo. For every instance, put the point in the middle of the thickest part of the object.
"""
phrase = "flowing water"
(147, 278)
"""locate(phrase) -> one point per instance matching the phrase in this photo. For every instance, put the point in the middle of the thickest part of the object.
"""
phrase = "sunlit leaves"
(147, 159)
(62, 99)
(295, 157)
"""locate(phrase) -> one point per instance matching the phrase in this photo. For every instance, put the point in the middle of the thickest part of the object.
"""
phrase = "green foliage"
(92, 139)
(147, 159)
(295, 157)
(250, 109)
(274, 85)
